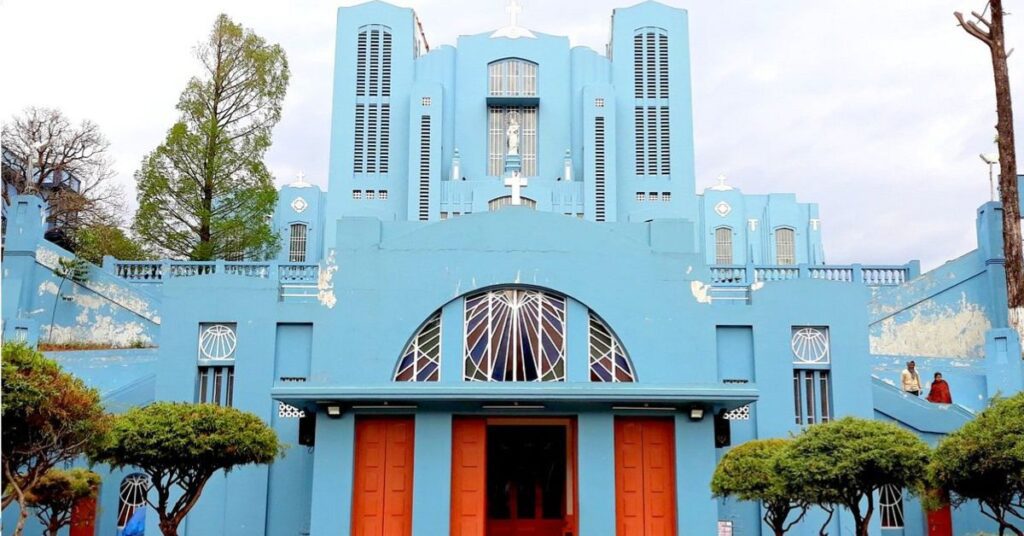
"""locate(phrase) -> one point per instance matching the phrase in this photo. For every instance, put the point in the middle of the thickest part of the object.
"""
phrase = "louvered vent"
(424, 167)
(651, 92)
(599, 172)
(371, 150)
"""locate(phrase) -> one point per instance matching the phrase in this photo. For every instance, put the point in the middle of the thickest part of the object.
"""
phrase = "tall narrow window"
(297, 243)
(651, 120)
(216, 372)
(723, 245)
(813, 388)
(499, 118)
(512, 78)
(599, 169)
(785, 246)
(424, 208)
(371, 145)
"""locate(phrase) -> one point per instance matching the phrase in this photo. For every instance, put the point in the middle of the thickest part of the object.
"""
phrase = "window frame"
(782, 256)
(295, 242)
(720, 251)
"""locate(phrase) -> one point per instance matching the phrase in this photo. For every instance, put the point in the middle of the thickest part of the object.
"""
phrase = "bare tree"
(990, 32)
(69, 165)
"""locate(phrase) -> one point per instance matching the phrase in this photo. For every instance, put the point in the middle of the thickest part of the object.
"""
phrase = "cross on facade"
(517, 183)
(513, 10)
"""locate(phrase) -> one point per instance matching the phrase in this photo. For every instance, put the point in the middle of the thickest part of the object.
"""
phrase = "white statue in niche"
(512, 135)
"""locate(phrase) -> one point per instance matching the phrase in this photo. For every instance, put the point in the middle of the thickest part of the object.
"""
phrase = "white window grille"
(723, 245)
(371, 194)
(512, 78)
(599, 102)
(652, 196)
(217, 341)
(425, 101)
(651, 112)
(640, 196)
(890, 503)
(497, 142)
(810, 345)
(785, 246)
(741, 413)
(131, 497)
(287, 411)
(500, 202)
(609, 361)
(421, 360)
(297, 243)
(382, 195)
(357, 194)
(666, 196)
(514, 334)
(812, 396)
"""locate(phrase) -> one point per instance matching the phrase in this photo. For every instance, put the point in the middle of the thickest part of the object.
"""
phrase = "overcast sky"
(877, 110)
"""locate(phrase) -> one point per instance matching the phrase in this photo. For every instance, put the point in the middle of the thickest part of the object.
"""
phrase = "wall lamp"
(333, 411)
(696, 413)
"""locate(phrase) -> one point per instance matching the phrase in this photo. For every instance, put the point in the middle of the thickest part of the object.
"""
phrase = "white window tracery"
(514, 334)
(512, 77)
(421, 360)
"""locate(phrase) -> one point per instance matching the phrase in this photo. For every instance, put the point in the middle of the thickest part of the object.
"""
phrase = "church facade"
(511, 313)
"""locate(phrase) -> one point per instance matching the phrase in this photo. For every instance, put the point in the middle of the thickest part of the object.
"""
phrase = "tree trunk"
(22, 517)
(168, 527)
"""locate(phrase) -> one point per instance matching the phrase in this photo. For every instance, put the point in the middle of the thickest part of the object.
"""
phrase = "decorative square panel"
(723, 209)
(299, 205)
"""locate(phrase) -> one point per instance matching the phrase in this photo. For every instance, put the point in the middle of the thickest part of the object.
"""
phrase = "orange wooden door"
(83, 518)
(469, 477)
(382, 480)
(645, 488)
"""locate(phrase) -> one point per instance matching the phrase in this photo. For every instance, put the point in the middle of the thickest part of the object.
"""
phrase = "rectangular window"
(652, 196)
(640, 196)
(723, 245)
(382, 195)
(785, 246)
(812, 396)
(599, 170)
(425, 101)
(357, 194)
(497, 138)
(666, 196)
(216, 385)
(297, 243)
(424, 207)
(599, 102)
(371, 194)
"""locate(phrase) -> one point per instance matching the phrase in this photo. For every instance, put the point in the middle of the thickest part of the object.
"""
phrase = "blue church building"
(513, 312)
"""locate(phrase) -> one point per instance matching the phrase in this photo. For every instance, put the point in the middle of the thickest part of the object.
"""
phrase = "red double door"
(382, 480)
(645, 483)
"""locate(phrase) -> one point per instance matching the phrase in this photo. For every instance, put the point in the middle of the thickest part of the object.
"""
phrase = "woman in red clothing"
(939, 393)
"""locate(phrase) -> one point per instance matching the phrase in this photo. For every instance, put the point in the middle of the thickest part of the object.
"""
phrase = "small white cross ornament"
(517, 183)
(513, 10)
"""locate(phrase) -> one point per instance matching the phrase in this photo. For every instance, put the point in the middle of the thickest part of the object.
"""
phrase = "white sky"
(875, 109)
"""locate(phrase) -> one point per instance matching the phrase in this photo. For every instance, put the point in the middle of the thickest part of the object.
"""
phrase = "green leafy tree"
(180, 446)
(55, 495)
(984, 461)
(205, 192)
(846, 462)
(74, 269)
(49, 417)
(750, 472)
(95, 241)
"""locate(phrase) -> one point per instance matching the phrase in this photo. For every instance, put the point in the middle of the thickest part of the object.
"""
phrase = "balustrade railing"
(874, 276)
(288, 275)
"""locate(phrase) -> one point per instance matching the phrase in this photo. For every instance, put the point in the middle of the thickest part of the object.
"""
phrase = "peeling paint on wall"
(701, 291)
(101, 329)
(933, 330)
(325, 282)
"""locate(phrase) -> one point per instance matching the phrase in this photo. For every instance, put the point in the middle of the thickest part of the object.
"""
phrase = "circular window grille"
(217, 342)
(133, 496)
(810, 345)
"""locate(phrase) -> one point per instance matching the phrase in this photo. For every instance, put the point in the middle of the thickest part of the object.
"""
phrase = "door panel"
(83, 518)
(645, 498)
(469, 477)
(382, 498)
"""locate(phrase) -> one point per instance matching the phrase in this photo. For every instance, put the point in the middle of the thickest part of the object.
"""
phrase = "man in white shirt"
(911, 380)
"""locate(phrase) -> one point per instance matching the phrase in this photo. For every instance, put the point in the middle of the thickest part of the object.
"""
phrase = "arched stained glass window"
(421, 360)
(609, 361)
(514, 334)
(132, 497)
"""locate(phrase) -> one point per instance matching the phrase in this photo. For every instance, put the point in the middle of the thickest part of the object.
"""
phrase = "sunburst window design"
(609, 361)
(810, 345)
(217, 341)
(421, 360)
(132, 496)
(515, 335)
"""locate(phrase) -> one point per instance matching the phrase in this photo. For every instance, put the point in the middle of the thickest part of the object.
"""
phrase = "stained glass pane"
(515, 335)
(421, 360)
(609, 361)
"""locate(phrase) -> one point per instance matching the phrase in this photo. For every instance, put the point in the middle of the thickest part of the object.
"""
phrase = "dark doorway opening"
(527, 480)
